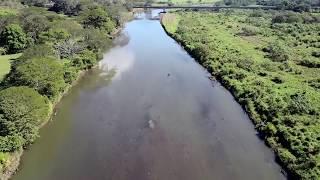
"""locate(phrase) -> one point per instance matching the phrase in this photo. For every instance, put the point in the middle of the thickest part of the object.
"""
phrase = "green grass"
(5, 64)
(4, 157)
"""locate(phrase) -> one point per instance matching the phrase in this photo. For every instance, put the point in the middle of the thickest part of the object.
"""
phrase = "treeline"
(55, 49)
(270, 62)
(295, 5)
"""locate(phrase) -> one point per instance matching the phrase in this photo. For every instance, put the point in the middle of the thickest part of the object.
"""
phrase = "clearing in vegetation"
(5, 64)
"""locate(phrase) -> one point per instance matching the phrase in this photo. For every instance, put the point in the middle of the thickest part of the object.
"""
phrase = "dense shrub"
(22, 111)
(39, 51)
(34, 25)
(311, 63)
(299, 104)
(84, 60)
(97, 17)
(13, 38)
(69, 7)
(277, 52)
(249, 31)
(54, 35)
(45, 75)
(287, 18)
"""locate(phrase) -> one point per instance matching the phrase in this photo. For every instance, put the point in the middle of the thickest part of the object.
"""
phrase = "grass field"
(5, 64)
(273, 70)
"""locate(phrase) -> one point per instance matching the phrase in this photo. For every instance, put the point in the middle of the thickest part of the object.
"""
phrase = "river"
(148, 112)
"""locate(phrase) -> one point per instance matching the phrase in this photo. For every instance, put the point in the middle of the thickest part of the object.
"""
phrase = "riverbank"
(45, 72)
(13, 160)
(229, 46)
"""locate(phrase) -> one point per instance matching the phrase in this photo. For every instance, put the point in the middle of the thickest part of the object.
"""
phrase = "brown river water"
(148, 112)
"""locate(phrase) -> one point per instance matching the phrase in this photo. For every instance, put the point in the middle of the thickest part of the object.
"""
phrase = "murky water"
(158, 118)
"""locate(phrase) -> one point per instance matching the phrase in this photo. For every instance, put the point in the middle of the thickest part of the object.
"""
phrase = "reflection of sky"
(148, 14)
(119, 59)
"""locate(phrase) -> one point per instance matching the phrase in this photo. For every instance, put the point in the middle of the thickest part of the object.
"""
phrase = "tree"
(54, 35)
(45, 75)
(34, 25)
(39, 3)
(96, 40)
(69, 7)
(85, 60)
(13, 38)
(22, 111)
(68, 48)
(97, 17)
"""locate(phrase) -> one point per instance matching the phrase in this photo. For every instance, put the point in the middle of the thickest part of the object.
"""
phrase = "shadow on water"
(148, 112)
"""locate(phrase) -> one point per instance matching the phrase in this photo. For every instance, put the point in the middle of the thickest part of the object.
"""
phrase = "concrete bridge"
(201, 7)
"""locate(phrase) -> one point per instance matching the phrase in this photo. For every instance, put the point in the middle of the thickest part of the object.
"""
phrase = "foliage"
(277, 52)
(22, 111)
(84, 60)
(38, 51)
(34, 25)
(45, 75)
(97, 17)
(13, 38)
(69, 7)
(55, 35)
(55, 48)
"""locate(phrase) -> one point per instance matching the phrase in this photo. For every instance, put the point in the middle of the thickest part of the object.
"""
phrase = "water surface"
(102, 127)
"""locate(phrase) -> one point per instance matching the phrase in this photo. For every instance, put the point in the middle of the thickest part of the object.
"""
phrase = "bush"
(277, 52)
(34, 25)
(54, 35)
(3, 51)
(22, 111)
(285, 156)
(13, 38)
(85, 60)
(69, 7)
(310, 63)
(39, 51)
(300, 104)
(287, 18)
(11, 143)
(249, 31)
(45, 75)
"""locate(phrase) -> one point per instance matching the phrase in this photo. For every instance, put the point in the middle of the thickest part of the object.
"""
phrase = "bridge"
(208, 7)
(201, 7)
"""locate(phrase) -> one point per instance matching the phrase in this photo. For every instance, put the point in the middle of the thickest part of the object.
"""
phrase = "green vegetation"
(23, 111)
(53, 50)
(272, 68)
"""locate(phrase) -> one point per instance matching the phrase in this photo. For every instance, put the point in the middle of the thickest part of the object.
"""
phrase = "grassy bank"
(270, 62)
